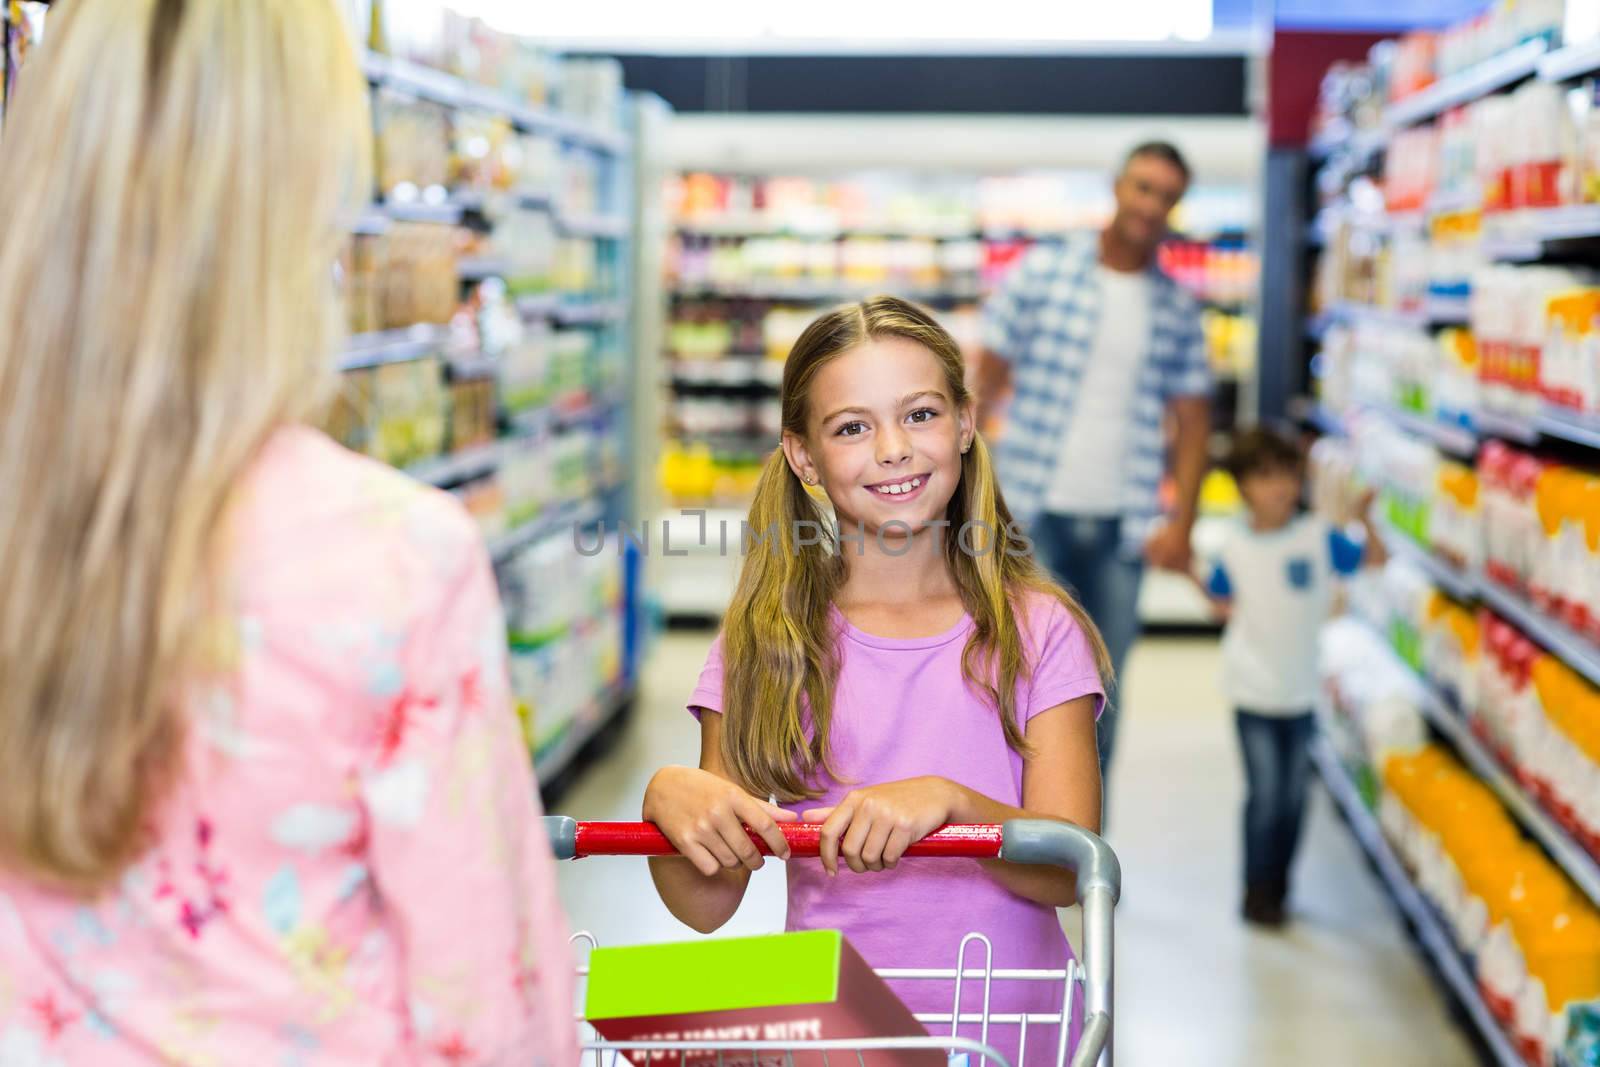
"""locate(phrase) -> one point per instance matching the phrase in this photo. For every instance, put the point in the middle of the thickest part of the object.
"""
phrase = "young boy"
(1274, 582)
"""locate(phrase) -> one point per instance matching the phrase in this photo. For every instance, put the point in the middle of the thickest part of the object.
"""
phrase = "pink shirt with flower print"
(351, 869)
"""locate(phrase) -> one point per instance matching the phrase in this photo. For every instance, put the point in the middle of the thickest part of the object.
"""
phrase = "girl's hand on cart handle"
(704, 816)
(872, 827)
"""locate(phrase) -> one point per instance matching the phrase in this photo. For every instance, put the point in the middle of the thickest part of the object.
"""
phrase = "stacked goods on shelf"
(431, 35)
(480, 362)
(1355, 96)
(1537, 331)
(1542, 532)
(1528, 936)
(1534, 939)
(564, 611)
(1395, 365)
(1539, 717)
(756, 258)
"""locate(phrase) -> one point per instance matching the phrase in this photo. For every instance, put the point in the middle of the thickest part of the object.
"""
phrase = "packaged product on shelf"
(525, 242)
(526, 478)
(1375, 699)
(362, 263)
(1511, 530)
(413, 30)
(472, 413)
(534, 164)
(1410, 169)
(1214, 273)
(1455, 392)
(413, 147)
(485, 501)
(1536, 941)
(1456, 173)
(481, 150)
(1456, 519)
(421, 278)
(1451, 642)
(1544, 150)
(1539, 716)
(591, 90)
(578, 176)
(1510, 314)
(1570, 363)
(525, 369)
(410, 400)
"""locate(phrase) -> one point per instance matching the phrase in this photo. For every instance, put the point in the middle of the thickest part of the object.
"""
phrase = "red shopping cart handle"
(968, 841)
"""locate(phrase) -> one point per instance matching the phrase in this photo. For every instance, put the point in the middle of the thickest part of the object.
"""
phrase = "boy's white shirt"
(1282, 590)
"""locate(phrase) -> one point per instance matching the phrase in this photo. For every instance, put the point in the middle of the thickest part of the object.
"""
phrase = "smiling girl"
(915, 668)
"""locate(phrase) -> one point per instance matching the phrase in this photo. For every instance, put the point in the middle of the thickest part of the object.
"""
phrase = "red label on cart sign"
(786, 988)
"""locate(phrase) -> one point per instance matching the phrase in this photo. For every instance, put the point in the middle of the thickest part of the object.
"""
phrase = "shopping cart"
(1031, 841)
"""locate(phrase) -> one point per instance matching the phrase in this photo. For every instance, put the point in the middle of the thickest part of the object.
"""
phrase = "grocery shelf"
(559, 754)
(1448, 311)
(606, 226)
(1500, 72)
(1448, 437)
(1574, 61)
(365, 350)
(1570, 426)
(539, 305)
(446, 213)
(1568, 854)
(1575, 650)
(737, 226)
(536, 421)
(553, 521)
(476, 270)
(1325, 419)
(461, 467)
(453, 92)
(821, 293)
(597, 313)
(730, 372)
(1452, 580)
(1430, 930)
(1508, 427)
(1503, 249)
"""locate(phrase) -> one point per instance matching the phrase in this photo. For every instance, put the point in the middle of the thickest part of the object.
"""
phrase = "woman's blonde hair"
(174, 174)
(779, 642)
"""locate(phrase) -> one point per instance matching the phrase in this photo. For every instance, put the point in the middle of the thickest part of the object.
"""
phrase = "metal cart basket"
(1029, 841)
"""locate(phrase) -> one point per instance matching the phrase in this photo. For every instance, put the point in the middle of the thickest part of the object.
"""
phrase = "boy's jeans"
(1277, 766)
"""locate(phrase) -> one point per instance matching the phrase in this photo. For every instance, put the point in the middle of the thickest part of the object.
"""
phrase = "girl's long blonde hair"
(779, 643)
(174, 174)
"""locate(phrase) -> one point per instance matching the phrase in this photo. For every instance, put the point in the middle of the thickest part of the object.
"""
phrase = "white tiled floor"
(1343, 986)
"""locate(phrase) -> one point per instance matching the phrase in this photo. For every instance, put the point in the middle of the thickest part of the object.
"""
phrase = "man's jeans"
(1277, 767)
(1085, 555)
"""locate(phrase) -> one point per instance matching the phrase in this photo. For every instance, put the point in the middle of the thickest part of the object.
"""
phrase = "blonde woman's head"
(175, 174)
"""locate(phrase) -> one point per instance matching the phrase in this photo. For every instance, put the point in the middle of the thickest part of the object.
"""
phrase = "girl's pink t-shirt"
(350, 870)
(903, 709)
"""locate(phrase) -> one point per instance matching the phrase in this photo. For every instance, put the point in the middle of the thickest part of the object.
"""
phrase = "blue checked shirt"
(1042, 321)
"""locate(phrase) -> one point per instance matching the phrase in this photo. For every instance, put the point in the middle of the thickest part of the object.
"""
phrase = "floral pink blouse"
(351, 870)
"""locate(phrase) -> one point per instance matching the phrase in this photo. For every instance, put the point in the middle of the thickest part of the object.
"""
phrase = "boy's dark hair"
(1263, 450)
(1163, 150)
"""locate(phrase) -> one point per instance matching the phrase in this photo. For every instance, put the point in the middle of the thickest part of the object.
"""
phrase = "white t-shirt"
(1280, 586)
(1088, 476)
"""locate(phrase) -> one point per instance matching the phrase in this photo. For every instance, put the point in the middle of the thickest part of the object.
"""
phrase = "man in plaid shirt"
(1099, 349)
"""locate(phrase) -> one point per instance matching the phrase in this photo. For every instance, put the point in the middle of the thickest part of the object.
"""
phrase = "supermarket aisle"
(1195, 986)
